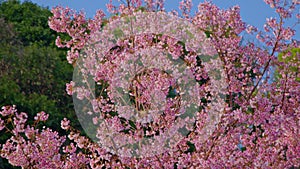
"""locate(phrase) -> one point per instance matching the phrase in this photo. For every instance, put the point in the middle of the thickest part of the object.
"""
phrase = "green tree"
(29, 20)
(33, 71)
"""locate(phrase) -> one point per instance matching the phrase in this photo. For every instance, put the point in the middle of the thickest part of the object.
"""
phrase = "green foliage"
(33, 71)
(10, 91)
(118, 33)
(29, 20)
(172, 92)
(208, 33)
(192, 147)
(37, 76)
(289, 56)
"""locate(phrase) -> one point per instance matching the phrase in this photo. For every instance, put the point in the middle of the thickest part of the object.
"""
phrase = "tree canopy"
(33, 71)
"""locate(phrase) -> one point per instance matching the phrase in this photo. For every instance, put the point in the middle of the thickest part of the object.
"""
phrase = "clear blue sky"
(253, 12)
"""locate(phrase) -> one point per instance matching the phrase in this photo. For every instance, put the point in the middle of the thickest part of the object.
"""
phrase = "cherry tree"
(158, 89)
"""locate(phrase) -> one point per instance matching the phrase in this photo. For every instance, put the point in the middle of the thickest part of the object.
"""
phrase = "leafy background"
(33, 71)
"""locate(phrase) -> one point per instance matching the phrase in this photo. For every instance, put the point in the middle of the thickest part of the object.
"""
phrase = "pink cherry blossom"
(41, 116)
(65, 124)
(258, 127)
(70, 88)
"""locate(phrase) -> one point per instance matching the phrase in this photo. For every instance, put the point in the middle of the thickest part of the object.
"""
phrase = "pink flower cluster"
(30, 147)
(76, 26)
(185, 6)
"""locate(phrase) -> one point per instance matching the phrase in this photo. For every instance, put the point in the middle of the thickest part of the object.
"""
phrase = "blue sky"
(253, 12)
